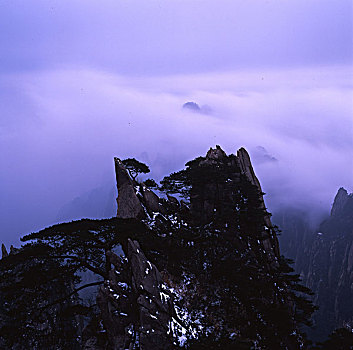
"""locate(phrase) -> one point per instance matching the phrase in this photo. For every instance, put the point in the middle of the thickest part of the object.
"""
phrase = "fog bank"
(61, 136)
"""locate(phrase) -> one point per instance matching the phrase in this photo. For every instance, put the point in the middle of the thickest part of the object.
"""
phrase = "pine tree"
(233, 292)
(248, 298)
(135, 167)
(40, 282)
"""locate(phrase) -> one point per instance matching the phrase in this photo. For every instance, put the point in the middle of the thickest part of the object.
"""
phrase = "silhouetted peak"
(129, 205)
(340, 202)
(4, 251)
(193, 106)
(216, 153)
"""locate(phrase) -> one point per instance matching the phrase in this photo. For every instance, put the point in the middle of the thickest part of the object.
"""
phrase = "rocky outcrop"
(342, 203)
(246, 167)
(4, 252)
(153, 303)
(271, 242)
(330, 267)
(129, 206)
(224, 203)
(214, 155)
(192, 106)
(200, 273)
(207, 199)
(151, 200)
(135, 306)
(324, 258)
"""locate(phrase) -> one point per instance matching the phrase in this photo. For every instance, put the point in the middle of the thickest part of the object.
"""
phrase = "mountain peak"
(216, 153)
(341, 200)
(193, 106)
(4, 251)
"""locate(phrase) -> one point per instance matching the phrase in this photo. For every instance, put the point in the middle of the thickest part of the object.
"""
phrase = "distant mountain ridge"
(95, 204)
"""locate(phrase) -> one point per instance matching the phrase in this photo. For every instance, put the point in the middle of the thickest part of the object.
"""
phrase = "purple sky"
(83, 81)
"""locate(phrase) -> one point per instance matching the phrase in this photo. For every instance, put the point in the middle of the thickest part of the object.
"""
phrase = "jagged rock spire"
(129, 206)
(4, 252)
(247, 169)
(203, 203)
(216, 153)
(340, 201)
(136, 201)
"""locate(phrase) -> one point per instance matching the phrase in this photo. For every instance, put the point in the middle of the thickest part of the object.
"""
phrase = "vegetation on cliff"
(200, 273)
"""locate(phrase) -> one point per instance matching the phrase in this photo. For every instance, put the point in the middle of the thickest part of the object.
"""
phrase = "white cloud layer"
(61, 128)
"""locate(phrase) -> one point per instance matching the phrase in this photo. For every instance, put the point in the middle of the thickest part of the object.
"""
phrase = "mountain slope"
(324, 258)
(204, 272)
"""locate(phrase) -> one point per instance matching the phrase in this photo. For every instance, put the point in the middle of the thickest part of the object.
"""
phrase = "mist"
(296, 125)
(82, 83)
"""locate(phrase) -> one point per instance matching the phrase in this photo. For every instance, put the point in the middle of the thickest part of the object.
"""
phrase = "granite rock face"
(324, 258)
(153, 304)
(330, 266)
(342, 204)
(134, 307)
(137, 201)
(129, 206)
(200, 273)
(136, 303)
(151, 200)
(245, 165)
(207, 199)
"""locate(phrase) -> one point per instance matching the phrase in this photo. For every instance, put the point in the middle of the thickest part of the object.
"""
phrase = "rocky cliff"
(223, 201)
(196, 268)
(330, 267)
(137, 201)
(324, 258)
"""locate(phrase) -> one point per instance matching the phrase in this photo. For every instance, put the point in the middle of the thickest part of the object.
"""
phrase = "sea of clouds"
(62, 127)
